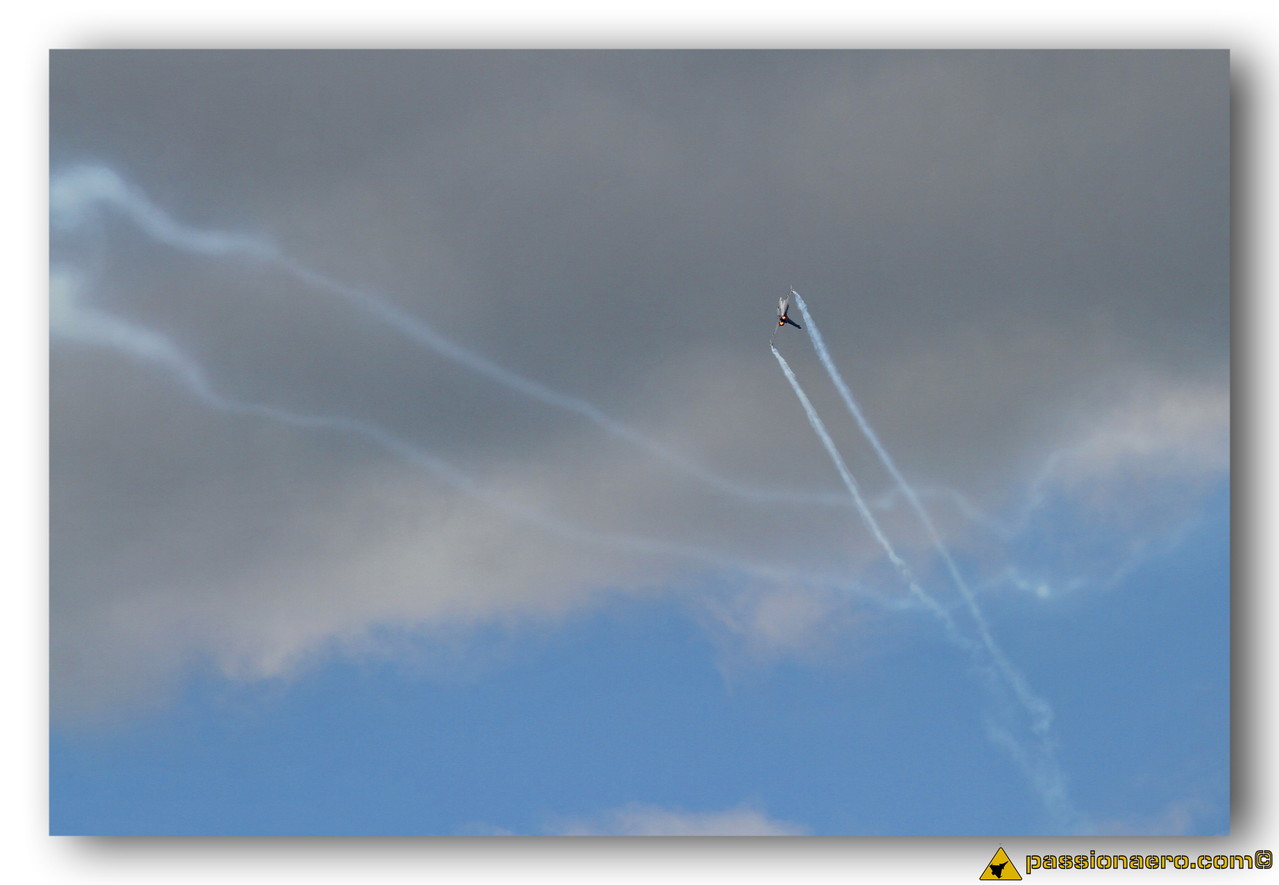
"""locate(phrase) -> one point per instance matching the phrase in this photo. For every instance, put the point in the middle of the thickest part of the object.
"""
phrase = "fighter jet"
(783, 304)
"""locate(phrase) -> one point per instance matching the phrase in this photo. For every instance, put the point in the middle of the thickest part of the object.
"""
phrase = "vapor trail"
(867, 517)
(75, 193)
(1038, 709)
(1039, 763)
(72, 318)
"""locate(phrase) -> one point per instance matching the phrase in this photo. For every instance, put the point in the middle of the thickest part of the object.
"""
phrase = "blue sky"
(629, 705)
(416, 464)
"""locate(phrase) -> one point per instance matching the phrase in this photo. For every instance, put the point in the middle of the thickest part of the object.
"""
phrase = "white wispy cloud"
(637, 819)
(1157, 427)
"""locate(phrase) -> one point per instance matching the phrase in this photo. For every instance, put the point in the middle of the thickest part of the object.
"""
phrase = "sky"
(418, 466)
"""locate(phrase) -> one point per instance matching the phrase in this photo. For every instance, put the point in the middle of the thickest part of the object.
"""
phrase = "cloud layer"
(1019, 261)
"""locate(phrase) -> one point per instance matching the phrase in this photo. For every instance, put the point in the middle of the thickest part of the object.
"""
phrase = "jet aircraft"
(783, 304)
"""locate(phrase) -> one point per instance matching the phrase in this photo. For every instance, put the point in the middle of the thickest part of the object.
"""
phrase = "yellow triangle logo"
(1000, 868)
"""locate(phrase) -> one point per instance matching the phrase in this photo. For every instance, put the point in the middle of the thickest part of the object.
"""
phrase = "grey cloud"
(1000, 248)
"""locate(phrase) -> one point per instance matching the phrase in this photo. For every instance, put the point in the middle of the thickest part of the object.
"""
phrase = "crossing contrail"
(1038, 761)
(76, 193)
(868, 518)
(1037, 708)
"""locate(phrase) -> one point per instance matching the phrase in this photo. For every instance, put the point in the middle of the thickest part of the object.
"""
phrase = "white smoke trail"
(1045, 775)
(1038, 709)
(74, 195)
(73, 318)
(867, 517)
(1039, 763)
